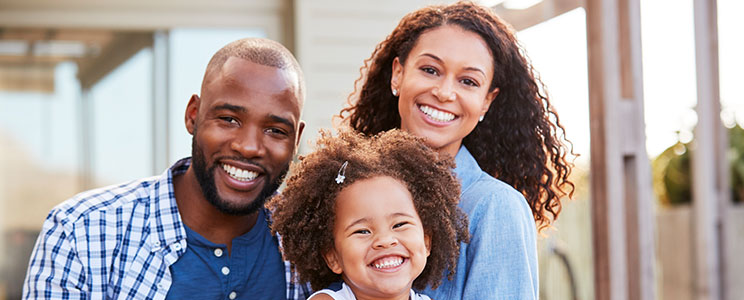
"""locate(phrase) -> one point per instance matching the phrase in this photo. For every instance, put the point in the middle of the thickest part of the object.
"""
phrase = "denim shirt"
(500, 262)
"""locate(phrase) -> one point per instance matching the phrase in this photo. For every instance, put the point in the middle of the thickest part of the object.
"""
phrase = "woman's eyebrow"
(434, 57)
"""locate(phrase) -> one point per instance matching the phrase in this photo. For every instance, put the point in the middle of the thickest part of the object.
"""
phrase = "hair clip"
(341, 171)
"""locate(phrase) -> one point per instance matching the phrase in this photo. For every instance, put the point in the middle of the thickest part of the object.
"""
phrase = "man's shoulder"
(109, 198)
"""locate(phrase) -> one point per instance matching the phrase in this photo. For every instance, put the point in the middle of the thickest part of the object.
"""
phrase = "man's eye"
(274, 130)
(229, 120)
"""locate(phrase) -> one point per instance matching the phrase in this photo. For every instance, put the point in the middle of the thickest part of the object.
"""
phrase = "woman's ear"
(397, 73)
(333, 261)
(427, 242)
(489, 99)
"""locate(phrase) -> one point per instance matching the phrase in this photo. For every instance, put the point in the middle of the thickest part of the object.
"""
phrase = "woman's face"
(443, 86)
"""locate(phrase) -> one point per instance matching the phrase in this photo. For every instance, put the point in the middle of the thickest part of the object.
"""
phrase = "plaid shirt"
(115, 243)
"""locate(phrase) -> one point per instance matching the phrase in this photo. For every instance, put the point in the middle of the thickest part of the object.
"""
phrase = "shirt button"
(177, 247)
(160, 285)
(225, 270)
(156, 243)
(233, 295)
(218, 252)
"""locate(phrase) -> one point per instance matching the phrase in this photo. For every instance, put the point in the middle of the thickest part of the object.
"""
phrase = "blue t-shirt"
(254, 269)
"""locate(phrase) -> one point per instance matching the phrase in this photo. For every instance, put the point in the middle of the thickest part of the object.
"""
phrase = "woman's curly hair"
(304, 213)
(520, 141)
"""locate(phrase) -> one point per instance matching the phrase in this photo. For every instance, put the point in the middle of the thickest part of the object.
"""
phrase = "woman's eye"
(429, 70)
(362, 231)
(469, 82)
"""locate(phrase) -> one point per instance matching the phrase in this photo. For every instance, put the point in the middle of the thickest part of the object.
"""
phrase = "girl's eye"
(470, 82)
(398, 225)
(429, 70)
(362, 231)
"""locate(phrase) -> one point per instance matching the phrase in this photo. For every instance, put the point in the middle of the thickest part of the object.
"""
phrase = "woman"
(456, 76)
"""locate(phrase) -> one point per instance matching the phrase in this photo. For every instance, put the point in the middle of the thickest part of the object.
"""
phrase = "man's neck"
(205, 219)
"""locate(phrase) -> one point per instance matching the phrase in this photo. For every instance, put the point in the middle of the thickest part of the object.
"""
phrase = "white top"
(345, 293)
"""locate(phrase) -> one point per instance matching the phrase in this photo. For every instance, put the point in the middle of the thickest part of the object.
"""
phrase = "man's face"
(245, 130)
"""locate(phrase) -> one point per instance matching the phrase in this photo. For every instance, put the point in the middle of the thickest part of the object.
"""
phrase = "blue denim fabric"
(500, 262)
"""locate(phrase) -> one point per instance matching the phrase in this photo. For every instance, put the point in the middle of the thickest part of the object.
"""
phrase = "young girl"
(378, 214)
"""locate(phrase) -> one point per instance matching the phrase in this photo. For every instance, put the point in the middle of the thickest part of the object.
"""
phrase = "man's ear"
(192, 110)
(300, 129)
(333, 261)
(397, 73)
(489, 99)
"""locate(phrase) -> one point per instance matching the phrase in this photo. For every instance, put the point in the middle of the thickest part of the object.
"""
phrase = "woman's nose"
(445, 91)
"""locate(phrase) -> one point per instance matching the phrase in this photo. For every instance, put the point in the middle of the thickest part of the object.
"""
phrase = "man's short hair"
(261, 51)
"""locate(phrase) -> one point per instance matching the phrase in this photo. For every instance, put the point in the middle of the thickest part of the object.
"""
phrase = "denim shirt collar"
(466, 168)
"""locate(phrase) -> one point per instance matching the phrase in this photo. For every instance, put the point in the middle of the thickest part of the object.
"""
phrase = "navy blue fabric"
(198, 274)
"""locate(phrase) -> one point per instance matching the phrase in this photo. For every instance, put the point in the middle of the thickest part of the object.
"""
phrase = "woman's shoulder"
(489, 200)
(490, 191)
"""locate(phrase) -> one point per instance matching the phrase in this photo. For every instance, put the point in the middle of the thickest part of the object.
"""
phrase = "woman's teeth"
(436, 115)
(388, 262)
(239, 174)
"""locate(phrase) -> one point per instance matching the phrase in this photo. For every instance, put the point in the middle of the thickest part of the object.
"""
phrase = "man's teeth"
(388, 262)
(437, 115)
(239, 174)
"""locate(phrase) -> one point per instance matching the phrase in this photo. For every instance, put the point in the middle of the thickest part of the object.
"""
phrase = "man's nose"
(249, 143)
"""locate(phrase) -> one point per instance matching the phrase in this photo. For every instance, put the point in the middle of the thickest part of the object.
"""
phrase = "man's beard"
(205, 177)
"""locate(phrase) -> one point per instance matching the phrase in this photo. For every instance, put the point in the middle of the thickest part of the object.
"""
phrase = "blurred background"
(93, 93)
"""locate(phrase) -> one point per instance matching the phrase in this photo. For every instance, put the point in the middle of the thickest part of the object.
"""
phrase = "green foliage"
(671, 171)
(736, 159)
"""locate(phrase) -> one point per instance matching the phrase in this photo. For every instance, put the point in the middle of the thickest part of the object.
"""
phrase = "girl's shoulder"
(321, 296)
(337, 291)
(417, 296)
(343, 292)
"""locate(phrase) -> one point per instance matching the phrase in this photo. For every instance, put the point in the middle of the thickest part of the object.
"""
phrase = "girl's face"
(379, 241)
(443, 86)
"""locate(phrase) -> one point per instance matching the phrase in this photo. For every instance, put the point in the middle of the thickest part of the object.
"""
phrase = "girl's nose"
(385, 241)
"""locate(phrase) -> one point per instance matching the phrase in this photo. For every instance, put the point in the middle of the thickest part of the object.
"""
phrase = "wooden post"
(622, 205)
(708, 161)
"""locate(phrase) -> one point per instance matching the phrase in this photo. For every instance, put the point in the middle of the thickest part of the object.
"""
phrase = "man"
(199, 231)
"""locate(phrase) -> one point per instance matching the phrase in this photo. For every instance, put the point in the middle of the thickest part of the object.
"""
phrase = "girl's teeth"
(388, 262)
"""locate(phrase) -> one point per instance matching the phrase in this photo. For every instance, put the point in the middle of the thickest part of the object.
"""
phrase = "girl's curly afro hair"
(304, 213)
